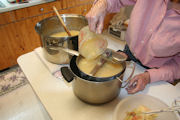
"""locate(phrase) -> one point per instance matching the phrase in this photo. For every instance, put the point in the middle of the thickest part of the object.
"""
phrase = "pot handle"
(129, 78)
(67, 74)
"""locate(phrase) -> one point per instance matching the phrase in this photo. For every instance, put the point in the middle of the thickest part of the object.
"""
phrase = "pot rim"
(95, 79)
(53, 17)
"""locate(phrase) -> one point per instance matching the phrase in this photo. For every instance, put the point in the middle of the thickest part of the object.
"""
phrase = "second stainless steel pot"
(51, 25)
(90, 89)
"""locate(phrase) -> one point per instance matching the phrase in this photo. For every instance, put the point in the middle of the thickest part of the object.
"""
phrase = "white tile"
(22, 104)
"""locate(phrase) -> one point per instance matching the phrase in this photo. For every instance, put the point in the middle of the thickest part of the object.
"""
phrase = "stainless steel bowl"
(51, 25)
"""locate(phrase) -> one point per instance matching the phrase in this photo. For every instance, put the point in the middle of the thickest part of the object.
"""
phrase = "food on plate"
(64, 34)
(107, 70)
(136, 114)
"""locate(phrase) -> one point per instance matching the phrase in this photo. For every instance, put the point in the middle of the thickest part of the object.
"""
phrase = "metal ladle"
(109, 55)
(113, 56)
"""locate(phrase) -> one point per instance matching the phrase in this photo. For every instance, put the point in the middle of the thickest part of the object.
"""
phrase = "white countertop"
(57, 96)
(10, 7)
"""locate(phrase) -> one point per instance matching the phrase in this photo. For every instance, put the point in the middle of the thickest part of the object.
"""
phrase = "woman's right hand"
(96, 16)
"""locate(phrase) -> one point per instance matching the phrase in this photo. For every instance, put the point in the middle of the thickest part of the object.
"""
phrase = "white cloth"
(54, 69)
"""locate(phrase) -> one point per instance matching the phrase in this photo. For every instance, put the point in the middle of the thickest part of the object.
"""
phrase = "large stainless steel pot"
(91, 89)
(51, 25)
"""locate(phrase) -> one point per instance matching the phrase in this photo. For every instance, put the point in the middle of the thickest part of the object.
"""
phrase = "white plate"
(131, 102)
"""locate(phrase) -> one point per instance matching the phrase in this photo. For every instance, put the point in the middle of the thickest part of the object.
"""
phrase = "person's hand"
(96, 16)
(138, 83)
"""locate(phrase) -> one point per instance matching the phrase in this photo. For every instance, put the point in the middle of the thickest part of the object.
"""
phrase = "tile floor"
(21, 104)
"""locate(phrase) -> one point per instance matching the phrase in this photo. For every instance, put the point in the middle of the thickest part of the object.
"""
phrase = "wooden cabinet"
(17, 32)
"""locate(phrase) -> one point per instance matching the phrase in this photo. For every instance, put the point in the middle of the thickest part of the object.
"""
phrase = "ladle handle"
(72, 52)
(97, 66)
(62, 22)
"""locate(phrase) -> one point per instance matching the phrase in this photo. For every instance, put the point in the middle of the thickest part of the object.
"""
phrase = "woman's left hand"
(138, 83)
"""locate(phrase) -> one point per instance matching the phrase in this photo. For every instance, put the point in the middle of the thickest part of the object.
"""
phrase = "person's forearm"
(115, 5)
(169, 72)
